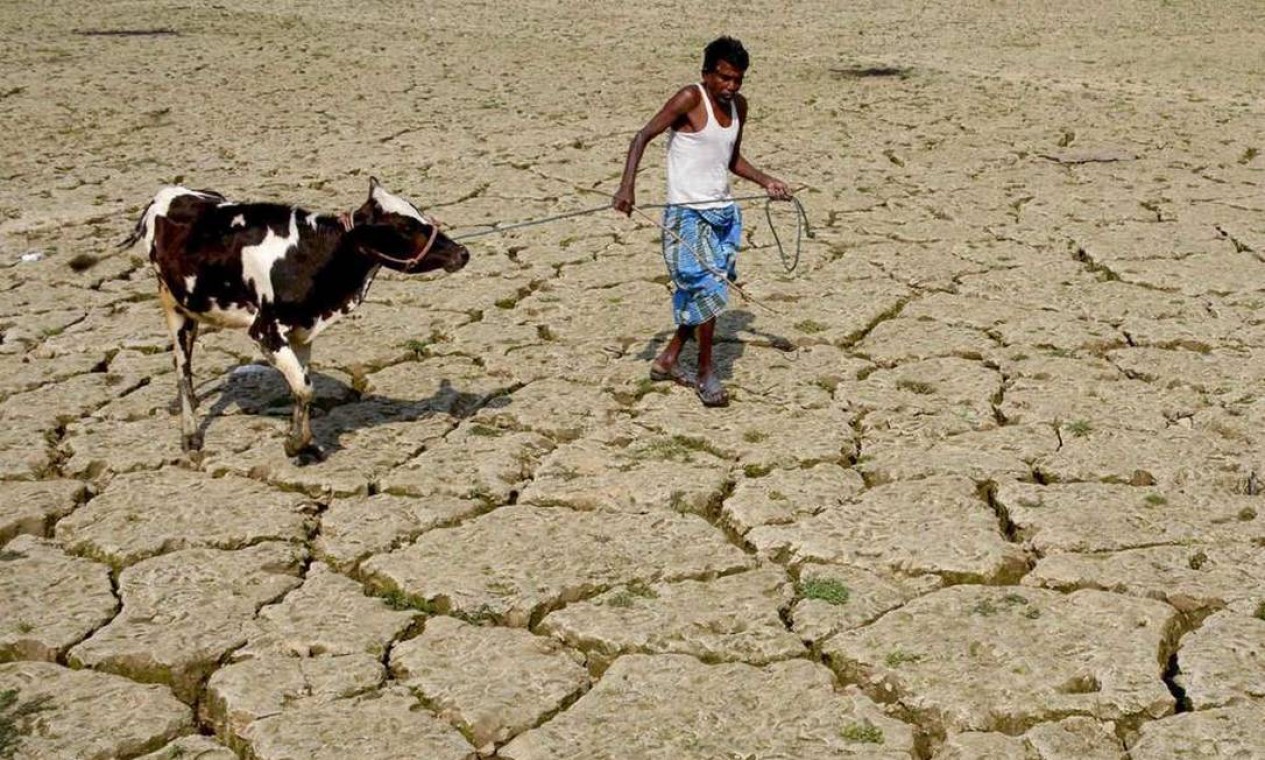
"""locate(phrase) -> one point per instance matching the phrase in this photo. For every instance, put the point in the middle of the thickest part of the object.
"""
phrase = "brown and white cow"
(282, 272)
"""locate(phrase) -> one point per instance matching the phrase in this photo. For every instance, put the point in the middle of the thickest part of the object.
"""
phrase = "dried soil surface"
(990, 485)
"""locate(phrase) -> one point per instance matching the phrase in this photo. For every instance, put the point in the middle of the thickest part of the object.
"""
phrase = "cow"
(282, 273)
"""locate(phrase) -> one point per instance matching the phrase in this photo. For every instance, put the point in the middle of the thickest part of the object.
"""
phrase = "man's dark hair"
(725, 49)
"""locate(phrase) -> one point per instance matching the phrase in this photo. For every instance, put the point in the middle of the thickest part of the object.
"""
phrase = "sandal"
(676, 374)
(712, 393)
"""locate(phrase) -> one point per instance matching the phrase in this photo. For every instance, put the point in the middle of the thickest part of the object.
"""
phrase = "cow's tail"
(142, 226)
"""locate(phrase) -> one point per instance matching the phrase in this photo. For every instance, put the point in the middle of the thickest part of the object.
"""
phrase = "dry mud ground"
(989, 488)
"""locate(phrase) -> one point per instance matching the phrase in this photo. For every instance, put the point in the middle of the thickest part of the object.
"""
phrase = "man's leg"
(664, 365)
(710, 389)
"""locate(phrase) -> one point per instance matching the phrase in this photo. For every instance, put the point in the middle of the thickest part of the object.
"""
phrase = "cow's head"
(392, 231)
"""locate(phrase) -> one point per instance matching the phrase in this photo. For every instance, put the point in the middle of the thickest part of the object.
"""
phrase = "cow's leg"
(291, 360)
(301, 418)
(184, 331)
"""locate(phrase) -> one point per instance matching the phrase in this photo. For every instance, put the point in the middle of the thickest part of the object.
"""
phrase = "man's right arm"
(678, 106)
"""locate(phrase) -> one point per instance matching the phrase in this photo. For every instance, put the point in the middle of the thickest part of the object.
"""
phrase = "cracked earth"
(990, 486)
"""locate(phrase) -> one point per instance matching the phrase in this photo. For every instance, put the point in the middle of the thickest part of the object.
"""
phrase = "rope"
(789, 263)
(802, 230)
(498, 228)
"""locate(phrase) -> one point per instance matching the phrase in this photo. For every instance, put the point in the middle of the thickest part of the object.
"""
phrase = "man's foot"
(711, 392)
(675, 373)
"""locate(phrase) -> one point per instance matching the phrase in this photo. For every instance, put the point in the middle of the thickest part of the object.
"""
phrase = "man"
(703, 225)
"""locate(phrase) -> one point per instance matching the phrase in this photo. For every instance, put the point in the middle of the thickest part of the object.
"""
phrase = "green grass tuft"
(1078, 428)
(628, 596)
(398, 600)
(898, 657)
(756, 470)
(916, 386)
(678, 448)
(419, 348)
(863, 732)
(827, 590)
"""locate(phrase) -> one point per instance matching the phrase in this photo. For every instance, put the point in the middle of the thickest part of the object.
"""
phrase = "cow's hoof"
(191, 442)
(305, 455)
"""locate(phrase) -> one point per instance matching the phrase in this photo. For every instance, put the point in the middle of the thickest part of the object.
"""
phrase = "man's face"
(723, 82)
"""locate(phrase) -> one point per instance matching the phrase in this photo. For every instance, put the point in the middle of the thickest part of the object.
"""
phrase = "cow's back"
(225, 262)
(198, 256)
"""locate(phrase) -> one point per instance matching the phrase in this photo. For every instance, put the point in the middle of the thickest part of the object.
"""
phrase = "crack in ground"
(1101, 272)
(999, 398)
(986, 490)
(928, 727)
(113, 575)
(353, 571)
(714, 513)
(563, 598)
(929, 724)
(1240, 247)
(226, 658)
(892, 312)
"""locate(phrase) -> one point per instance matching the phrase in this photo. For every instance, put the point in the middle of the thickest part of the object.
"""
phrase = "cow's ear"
(363, 215)
(373, 184)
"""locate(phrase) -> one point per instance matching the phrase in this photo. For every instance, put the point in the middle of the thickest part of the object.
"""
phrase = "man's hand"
(778, 190)
(624, 201)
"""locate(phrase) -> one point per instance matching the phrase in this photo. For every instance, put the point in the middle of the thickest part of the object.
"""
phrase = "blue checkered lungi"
(701, 290)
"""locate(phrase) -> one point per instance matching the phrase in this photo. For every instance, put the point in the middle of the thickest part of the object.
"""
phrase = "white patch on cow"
(257, 260)
(296, 376)
(238, 221)
(325, 320)
(162, 204)
(190, 283)
(394, 204)
(322, 322)
(364, 289)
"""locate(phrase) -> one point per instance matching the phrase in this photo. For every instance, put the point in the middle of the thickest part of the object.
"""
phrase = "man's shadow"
(729, 343)
(337, 408)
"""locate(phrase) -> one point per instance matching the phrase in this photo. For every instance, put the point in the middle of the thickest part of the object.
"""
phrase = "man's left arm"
(775, 187)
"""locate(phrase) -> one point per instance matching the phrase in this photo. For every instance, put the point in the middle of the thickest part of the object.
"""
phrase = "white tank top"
(698, 162)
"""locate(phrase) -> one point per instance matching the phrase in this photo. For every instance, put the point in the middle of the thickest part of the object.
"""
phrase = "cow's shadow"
(337, 408)
(729, 345)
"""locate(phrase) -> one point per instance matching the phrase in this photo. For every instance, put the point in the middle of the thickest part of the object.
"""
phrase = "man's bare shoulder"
(688, 96)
